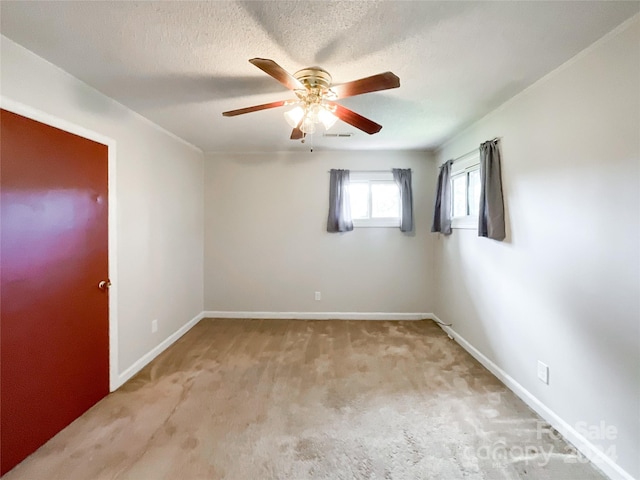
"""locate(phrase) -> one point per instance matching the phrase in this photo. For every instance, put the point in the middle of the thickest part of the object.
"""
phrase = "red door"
(54, 330)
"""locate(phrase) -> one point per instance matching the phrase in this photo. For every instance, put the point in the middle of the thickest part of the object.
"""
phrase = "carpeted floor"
(287, 399)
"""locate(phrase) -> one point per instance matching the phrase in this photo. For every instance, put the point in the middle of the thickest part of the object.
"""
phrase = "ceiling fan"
(316, 94)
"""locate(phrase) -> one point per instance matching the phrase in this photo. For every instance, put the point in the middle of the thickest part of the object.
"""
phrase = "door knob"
(104, 284)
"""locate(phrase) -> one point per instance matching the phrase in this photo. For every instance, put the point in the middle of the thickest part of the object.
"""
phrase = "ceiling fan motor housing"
(314, 77)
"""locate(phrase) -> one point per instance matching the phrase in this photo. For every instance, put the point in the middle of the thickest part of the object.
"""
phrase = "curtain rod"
(474, 150)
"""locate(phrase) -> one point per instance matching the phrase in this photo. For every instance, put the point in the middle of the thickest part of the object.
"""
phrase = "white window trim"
(381, 176)
(465, 164)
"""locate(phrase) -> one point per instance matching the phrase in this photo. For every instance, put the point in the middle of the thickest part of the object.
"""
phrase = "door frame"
(57, 122)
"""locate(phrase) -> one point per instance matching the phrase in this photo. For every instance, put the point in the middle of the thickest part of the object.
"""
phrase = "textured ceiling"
(181, 64)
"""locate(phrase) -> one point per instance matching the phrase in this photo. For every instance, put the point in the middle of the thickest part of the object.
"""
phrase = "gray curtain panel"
(442, 212)
(402, 176)
(491, 214)
(339, 207)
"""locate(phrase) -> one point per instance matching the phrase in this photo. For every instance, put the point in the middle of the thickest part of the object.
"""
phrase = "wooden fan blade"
(358, 121)
(276, 71)
(255, 108)
(382, 81)
(297, 134)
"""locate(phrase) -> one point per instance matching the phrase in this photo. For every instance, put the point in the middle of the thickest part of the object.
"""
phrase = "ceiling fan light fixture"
(309, 115)
(294, 116)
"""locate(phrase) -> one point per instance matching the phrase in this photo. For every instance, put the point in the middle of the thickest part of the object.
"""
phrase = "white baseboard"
(588, 449)
(144, 360)
(320, 315)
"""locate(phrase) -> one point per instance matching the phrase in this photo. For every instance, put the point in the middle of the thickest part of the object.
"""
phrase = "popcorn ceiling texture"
(181, 64)
(288, 399)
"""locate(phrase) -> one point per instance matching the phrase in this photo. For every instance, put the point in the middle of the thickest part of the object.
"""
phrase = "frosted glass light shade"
(294, 116)
(308, 125)
(327, 118)
(312, 113)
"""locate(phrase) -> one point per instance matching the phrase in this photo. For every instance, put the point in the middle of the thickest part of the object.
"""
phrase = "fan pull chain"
(304, 140)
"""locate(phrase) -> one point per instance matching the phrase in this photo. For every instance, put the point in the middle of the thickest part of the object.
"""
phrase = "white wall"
(159, 201)
(564, 287)
(267, 249)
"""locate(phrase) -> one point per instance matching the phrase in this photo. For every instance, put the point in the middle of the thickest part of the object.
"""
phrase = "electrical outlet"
(543, 372)
(154, 326)
(318, 296)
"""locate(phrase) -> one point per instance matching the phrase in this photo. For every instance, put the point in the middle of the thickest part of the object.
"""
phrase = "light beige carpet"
(286, 399)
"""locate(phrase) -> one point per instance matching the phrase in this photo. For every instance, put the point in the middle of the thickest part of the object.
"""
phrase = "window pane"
(359, 196)
(459, 195)
(385, 201)
(474, 192)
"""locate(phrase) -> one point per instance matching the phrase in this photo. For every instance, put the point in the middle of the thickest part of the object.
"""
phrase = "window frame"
(464, 166)
(380, 177)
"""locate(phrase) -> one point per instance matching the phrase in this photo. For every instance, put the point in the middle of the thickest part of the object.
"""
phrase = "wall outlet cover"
(543, 372)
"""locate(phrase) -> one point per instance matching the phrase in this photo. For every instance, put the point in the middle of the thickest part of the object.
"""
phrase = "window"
(465, 192)
(375, 199)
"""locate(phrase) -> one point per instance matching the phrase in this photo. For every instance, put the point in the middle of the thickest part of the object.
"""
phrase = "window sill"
(464, 223)
(376, 224)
